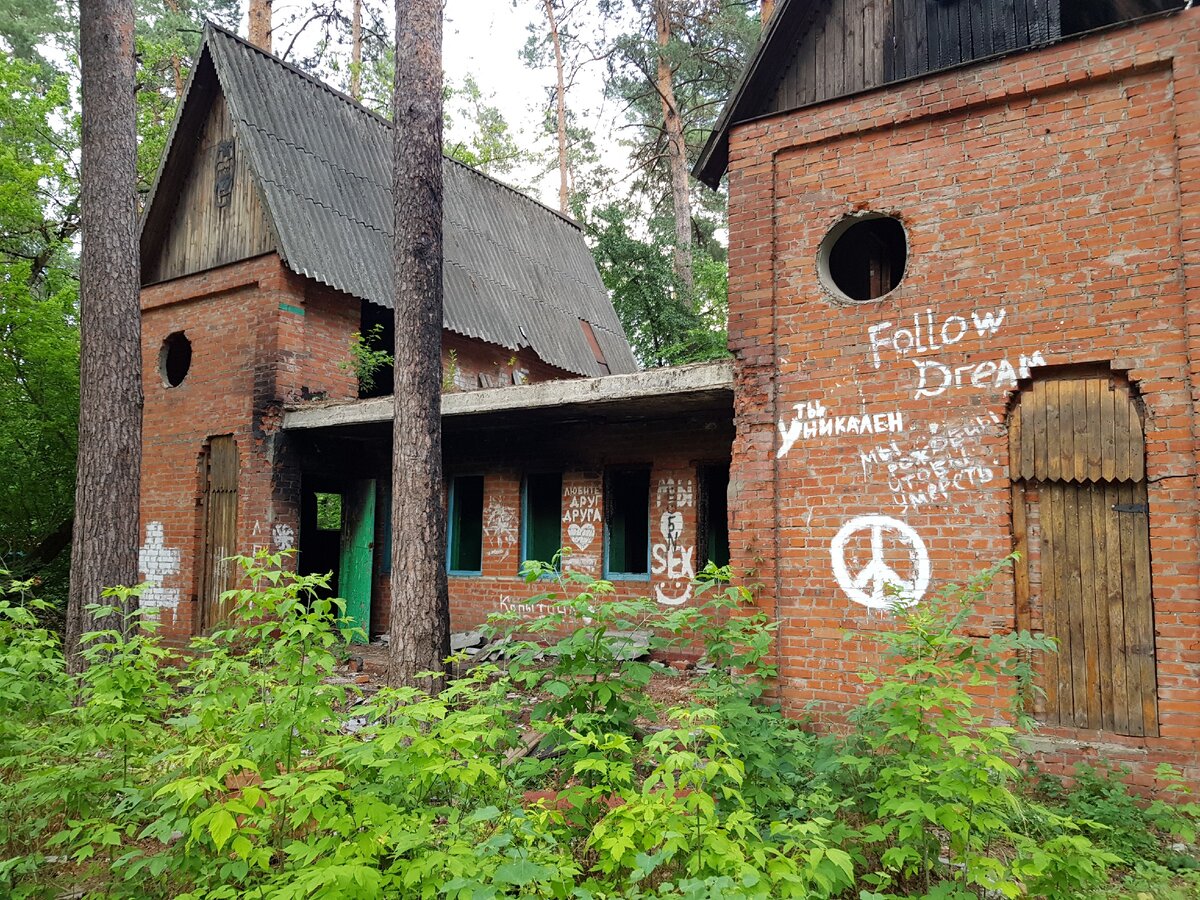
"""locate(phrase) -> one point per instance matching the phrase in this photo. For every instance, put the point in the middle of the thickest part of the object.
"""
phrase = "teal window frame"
(454, 504)
(527, 518)
(611, 574)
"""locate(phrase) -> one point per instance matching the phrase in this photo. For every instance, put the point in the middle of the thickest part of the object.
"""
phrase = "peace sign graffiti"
(870, 585)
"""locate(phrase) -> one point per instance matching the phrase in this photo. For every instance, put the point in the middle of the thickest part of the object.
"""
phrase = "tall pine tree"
(105, 544)
(420, 607)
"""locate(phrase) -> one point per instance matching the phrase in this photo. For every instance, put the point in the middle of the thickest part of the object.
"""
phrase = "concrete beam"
(674, 381)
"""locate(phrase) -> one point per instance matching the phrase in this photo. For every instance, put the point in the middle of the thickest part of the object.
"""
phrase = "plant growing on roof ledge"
(450, 373)
(367, 357)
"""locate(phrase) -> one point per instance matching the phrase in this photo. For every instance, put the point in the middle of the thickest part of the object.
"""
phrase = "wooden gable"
(207, 211)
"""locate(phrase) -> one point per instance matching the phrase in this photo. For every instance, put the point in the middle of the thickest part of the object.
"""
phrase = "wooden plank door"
(220, 531)
(358, 554)
(1077, 458)
(1095, 599)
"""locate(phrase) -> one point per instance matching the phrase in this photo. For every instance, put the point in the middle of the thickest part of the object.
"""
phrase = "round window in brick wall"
(175, 359)
(863, 257)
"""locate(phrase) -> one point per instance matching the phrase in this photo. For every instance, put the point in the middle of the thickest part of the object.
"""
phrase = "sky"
(484, 39)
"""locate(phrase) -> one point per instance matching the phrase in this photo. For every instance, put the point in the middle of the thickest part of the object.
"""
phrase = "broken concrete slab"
(463, 640)
(624, 645)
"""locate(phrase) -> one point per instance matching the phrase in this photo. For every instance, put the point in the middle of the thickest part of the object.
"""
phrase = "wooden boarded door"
(1081, 517)
(358, 554)
(220, 530)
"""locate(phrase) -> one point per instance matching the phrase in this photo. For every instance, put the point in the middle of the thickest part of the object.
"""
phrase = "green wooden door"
(358, 556)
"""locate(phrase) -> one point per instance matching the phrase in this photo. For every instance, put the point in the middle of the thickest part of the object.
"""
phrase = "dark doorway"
(714, 514)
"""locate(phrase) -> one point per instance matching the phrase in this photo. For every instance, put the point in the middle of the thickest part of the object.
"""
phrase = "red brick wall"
(258, 337)
(673, 490)
(261, 337)
(1056, 192)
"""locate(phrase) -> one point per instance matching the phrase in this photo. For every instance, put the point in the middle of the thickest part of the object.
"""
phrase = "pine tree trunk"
(104, 547)
(676, 150)
(356, 51)
(768, 10)
(420, 609)
(176, 61)
(560, 98)
(259, 16)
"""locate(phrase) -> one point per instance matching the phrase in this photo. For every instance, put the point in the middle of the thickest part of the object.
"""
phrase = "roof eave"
(714, 158)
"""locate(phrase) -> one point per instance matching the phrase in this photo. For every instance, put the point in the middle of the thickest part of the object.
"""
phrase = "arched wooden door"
(1081, 519)
(220, 530)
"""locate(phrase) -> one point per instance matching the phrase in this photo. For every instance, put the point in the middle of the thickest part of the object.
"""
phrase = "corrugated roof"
(516, 273)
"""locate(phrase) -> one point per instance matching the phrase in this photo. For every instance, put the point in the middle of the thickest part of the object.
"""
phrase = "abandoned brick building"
(964, 296)
(964, 315)
(266, 247)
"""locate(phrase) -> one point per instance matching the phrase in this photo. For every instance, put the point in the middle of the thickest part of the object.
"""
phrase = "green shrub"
(1137, 831)
(933, 779)
(242, 770)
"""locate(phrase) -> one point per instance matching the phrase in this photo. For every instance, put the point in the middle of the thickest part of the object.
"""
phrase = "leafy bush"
(1137, 832)
(934, 781)
(243, 769)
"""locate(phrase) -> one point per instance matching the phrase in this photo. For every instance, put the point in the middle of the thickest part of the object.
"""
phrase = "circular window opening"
(175, 359)
(863, 257)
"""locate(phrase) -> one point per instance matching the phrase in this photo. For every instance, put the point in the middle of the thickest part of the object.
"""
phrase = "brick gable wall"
(1051, 201)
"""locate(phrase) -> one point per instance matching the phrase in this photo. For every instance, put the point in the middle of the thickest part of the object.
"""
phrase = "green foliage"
(933, 775)
(39, 224)
(1136, 831)
(663, 327)
(39, 337)
(166, 40)
(329, 512)
(243, 769)
(477, 133)
(595, 678)
(450, 372)
(709, 44)
(367, 357)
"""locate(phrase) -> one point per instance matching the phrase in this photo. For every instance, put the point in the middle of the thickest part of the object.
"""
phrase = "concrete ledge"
(670, 382)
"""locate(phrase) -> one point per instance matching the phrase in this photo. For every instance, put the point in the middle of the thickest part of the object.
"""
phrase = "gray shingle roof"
(516, 273)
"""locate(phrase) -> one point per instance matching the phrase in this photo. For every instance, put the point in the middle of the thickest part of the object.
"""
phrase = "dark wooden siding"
(209, 228)
(817, 50)
(853, 45)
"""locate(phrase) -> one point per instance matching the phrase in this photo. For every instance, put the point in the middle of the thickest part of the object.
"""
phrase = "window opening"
(1085, 15)
(175, 359)
(627, 524)
(863, 257)
(465, 536)
(594, 345)
(329, 512)
(378, 332)
(542, 516)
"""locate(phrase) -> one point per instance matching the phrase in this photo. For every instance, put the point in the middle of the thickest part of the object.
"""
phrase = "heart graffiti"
(581, 535)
